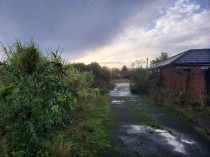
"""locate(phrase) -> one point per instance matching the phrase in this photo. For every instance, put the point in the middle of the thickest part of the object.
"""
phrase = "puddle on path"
(150, 142)
(147, 141)
(121, 90)
(117, 101)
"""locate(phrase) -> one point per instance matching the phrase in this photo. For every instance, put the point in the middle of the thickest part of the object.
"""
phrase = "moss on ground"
(146, 118)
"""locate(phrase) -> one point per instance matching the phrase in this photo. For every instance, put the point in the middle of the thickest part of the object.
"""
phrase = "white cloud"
(187, 30)
(183, 26)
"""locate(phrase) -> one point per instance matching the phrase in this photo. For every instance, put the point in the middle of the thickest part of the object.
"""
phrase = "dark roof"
(190, 57)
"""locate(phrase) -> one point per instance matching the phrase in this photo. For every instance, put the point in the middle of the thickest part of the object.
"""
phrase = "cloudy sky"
(111, 32)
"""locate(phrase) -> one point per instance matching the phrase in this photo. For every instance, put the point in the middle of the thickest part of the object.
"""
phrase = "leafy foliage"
(139, 78)
(163, 56)
(80, 83)
(139, 81)
(35, 102)
(144, 79)
(43, 101)
(102, 75)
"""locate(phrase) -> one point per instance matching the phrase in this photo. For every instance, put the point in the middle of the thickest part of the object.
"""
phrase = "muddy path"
(132, 138)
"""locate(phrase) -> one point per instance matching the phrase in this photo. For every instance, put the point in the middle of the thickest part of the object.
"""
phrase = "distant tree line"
(102, 75)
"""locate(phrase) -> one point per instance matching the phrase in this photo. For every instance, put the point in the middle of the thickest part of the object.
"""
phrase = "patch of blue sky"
(150, 25)
(204, 4)
(207, 46)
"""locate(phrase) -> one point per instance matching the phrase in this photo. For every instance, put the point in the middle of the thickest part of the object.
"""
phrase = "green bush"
(35, 101)
(80, 83)
(102, 75)
(139, 81)
(169, 98)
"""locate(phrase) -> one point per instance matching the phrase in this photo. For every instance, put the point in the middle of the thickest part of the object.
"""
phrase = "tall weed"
(35, 103)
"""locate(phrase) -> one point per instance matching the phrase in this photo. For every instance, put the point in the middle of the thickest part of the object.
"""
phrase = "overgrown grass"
(90, 134)
(49, 108)
(185, 112)
(196, 115)
(143, 115)
(121, 80)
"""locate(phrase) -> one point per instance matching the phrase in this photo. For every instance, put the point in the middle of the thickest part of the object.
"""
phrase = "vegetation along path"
(142, 129)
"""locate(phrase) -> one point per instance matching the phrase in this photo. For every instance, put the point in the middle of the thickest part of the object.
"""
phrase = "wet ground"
(132, 138)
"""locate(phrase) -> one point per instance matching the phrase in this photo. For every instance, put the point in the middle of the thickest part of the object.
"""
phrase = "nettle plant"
(34, 100)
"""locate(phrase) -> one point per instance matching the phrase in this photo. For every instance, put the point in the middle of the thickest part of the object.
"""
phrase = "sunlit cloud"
(182, 26)
(110, 32)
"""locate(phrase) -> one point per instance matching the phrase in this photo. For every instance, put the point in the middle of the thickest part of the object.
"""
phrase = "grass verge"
(121, 80)
(195, 115)
(187, 115)
(143, 115)
(89, 134)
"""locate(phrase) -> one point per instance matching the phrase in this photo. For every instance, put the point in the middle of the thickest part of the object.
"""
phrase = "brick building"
(188, 71)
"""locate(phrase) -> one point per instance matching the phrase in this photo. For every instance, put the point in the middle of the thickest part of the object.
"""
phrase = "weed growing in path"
(143, 115)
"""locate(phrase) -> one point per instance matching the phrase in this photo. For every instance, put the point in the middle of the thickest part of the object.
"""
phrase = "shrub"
(139, 81)
(102, 75)
(80, 83)
(169, 98)
(35, 102)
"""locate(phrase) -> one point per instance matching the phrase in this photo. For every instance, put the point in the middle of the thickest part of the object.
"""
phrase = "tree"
(95, 68)
(137, 64)
(81, 67)
(163, 56)
(102, 75)
(116, 73)
(125, 72)
(139, 80)
(124, 68)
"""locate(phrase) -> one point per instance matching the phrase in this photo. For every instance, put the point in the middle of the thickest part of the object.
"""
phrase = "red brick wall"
(193, 82)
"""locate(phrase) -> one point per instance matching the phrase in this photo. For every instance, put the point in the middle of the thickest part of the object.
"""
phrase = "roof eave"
(181, 64)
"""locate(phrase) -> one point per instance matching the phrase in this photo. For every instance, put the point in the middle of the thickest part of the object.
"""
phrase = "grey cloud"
(79, 25)
(74, 25)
